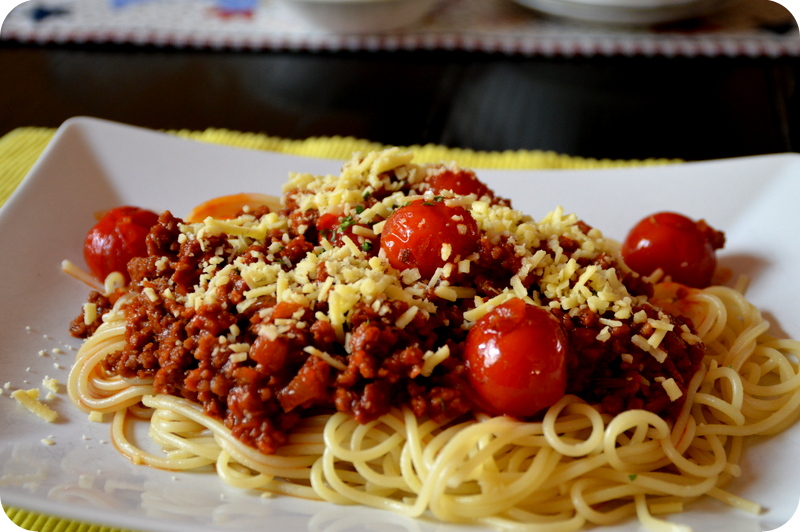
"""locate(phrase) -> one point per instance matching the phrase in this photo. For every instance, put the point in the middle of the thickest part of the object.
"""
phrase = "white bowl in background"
(360, 16)
(626, 12)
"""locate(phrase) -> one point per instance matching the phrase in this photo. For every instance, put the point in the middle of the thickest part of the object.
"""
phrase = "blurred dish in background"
(626, 12)
(360, 16)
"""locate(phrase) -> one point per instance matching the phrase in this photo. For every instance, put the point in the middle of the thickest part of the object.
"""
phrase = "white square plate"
(93, 165)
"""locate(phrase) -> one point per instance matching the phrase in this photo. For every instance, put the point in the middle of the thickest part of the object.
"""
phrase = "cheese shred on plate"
(30, 400)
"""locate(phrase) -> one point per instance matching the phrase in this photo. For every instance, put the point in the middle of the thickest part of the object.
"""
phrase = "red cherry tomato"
(117, 238)
(327, 224)
(516, 359)
(461, 182)
(334, 227)
(415, 235)
(682, 248)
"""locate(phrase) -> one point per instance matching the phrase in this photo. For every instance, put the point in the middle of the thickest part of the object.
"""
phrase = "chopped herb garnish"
(366, 245)
(359, 209)
(632, 477)
(346, 222)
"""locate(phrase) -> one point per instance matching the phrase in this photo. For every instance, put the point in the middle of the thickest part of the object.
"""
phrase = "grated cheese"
(150, 293)
(433, 359)
(447, 250)
(238, 357)
(30, 400)
(671, 387)
(548, 275)
(50, 384)
(311, 350)
(89, 313)
(406, 317)
(639, 341)
(661, 329)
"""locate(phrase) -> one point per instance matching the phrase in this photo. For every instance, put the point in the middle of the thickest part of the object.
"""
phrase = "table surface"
(693, 108)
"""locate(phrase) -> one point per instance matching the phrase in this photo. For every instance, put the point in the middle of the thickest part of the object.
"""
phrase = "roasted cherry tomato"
(117, 238)
(461, 182)
(516, 359)
(418, 235)
(684, 249)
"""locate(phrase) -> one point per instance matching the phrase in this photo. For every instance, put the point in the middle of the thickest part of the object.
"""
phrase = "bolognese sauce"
(360, 293)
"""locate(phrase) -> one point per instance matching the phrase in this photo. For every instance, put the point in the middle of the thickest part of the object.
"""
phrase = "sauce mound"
(358, 295)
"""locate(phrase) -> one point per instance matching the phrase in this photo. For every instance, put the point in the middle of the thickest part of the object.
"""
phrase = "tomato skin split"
(684, 249)
(414, 236)
(516, 358)
(117, 237)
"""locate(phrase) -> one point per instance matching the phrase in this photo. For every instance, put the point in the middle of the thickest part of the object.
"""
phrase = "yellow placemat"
(20, 149)
(44, 523)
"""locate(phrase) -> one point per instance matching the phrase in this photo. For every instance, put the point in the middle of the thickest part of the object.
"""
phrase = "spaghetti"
(580, 462)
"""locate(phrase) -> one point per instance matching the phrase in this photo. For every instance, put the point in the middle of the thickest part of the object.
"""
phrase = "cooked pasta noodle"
(577, 466)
